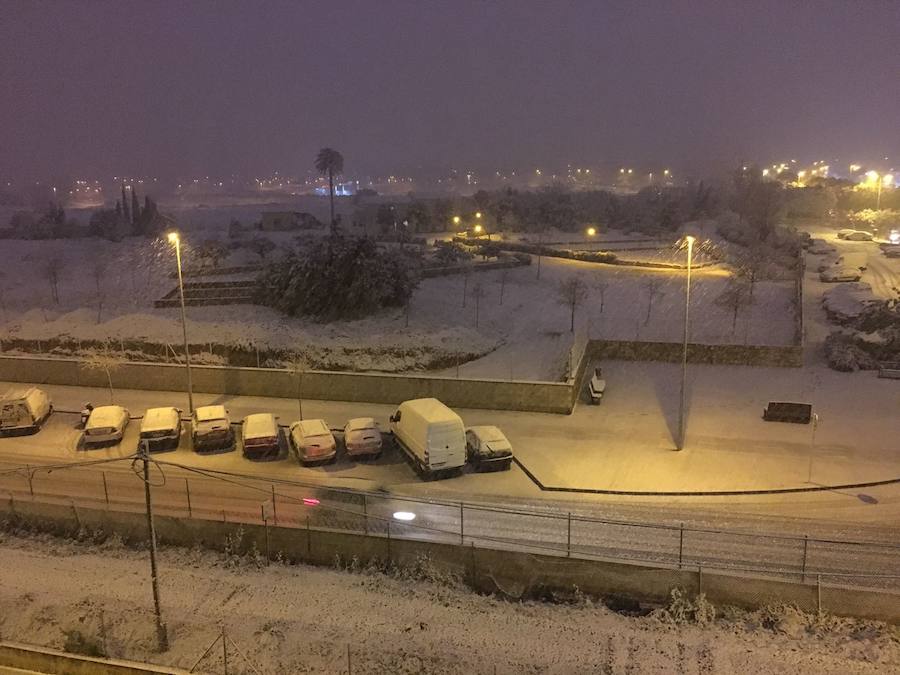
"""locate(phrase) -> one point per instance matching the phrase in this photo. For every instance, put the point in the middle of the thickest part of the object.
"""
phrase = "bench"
(890, 370)
(780, 411)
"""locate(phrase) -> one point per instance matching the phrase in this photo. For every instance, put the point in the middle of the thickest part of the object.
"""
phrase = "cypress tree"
(136, 223)
(125, 210)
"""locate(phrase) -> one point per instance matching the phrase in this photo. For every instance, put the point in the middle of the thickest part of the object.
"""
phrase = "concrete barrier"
(35, 659)
(513, 573)
(790, 356)
(549, 397)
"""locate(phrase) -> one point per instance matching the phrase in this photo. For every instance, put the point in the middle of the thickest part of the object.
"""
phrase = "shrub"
(340, 277)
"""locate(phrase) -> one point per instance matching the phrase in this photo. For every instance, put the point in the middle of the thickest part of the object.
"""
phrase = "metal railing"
(192, 492)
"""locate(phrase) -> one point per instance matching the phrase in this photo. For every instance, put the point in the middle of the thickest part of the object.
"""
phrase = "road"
(758, 533)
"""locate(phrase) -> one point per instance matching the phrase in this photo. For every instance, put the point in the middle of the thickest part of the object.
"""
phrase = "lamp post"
(176, 240)
(886, 179)
(687, 316)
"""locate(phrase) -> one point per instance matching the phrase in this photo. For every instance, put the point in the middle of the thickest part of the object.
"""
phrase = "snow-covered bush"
(340, 277)
(844, 354)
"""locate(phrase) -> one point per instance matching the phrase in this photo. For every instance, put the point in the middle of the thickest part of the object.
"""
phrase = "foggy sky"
(184, 88)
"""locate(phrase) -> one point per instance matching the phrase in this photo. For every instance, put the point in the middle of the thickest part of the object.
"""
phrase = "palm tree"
(330, 162)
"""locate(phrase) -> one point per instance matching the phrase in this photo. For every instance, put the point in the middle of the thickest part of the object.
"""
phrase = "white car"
(259, 436)
(487, 448)
(161, 428)
(820, 247)
(840, 274)
(106, 425)
(362, 437)
(313, 441)
(891, 251)
(859, 235)
(211, 429)
(842, 234)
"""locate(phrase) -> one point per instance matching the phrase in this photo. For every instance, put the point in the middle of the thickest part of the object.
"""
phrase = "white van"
(431, 435)
(24, 410)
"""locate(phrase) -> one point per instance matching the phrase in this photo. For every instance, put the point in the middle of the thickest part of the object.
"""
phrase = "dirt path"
(298, 619)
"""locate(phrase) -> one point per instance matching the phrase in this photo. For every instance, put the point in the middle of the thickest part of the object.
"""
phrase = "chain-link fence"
(192, 492)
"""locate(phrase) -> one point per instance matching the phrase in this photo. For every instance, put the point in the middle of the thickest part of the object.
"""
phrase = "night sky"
(181, 88)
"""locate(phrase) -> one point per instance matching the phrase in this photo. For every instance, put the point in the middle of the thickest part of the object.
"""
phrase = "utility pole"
(162, 639)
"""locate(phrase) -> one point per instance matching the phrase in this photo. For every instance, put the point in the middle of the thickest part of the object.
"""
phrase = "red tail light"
(311, 501)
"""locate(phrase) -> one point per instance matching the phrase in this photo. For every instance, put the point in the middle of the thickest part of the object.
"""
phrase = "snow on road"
(302, 619)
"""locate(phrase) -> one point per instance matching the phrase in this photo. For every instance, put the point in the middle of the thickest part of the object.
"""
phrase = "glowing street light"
(175, 239)
(478, 214)
(591, 231)
(456, 220)
(478, 228)
(687, 317)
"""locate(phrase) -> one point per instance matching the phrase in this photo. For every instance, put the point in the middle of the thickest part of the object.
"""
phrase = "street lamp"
(886, 179)
(176, 240)
(478, 228)
(591, 231)
(687, 316)
(478, 214)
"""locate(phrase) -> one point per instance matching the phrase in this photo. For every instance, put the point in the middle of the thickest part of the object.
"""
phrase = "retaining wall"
(551, 397)
(35, 659)
(748, 355)
(513, 573)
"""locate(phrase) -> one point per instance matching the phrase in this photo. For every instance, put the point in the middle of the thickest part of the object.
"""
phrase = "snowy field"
(302, 619)
(527, 337)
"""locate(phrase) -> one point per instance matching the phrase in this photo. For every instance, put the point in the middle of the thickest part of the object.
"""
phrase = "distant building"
(288, 220)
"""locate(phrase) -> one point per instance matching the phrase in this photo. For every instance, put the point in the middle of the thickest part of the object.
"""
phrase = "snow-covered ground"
(302, 619)
(527, 337)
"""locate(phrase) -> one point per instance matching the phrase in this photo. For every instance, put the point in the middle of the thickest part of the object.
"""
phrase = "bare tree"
(52, 269)
(98, 273)
(297, 367)
(572, 292)
(465, 286)
(752, 265)
(478, 293)
(600, 285)
(653, 288)
(106, 361)
(736, 295)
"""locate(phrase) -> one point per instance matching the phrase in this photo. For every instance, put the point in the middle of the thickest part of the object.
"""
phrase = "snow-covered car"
(161, 428)
(362, 437)
(259, 436)
(24, 410)
(860, 235)
(487, 448)
(211, 429)
(313, 441)
(106, 424)
(842, 234)
(820, 247)
(891, 250)
(828, 262)
(840, 274)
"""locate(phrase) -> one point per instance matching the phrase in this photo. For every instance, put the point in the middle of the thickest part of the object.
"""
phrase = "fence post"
(461, 523)
(805, 552)
(819, 593)
(699, 578)
(366, 514)
(187, 489)
(30, 481)
(308, 539)
(569, 534)
(262, 512)
(680, 545)
(472, 549)
(389, 540)
(274, 510)
(349, 664)
(105, 489)
(224, 650)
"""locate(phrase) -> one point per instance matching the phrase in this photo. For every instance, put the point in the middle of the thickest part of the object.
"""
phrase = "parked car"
(859, 235)
(24, 410)
(842, 233)
(211, 430)
(487, 448)
(431, 435)
(820, 247)
(840, 274)
(891, 250)
(106, 425)
(313, 441)
(259, 436)
(828, 262)
(161, 428)
(362, 437)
